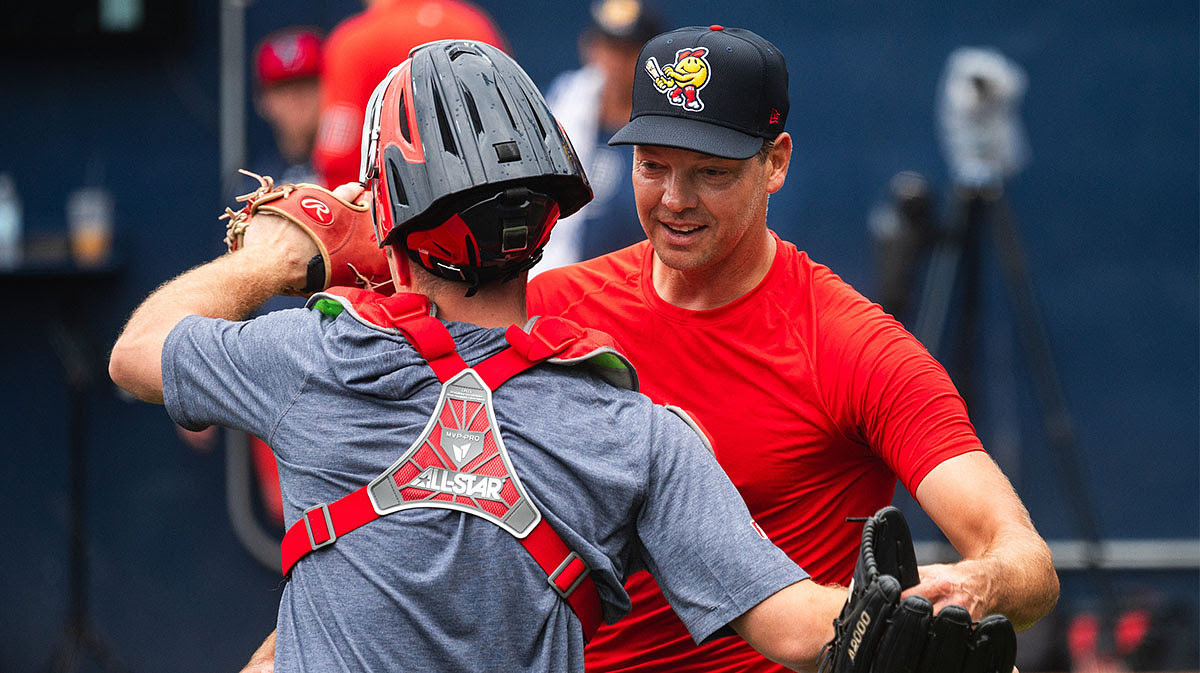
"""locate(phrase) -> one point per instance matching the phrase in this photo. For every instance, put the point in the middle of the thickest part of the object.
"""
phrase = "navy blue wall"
(1108, 210)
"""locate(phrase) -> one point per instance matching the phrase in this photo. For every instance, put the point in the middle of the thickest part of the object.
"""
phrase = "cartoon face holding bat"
(682, 80)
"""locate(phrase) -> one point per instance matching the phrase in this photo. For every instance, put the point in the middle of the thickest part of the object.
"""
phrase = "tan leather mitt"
(348, 255)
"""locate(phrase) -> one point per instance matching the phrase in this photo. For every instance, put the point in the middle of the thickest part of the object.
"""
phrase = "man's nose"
(678, 193)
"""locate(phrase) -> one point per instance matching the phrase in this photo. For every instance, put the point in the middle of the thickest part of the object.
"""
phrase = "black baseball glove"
(878, 632)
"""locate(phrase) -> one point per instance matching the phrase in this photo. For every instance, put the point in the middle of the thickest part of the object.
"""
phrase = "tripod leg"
(940, 280)
(966, 350)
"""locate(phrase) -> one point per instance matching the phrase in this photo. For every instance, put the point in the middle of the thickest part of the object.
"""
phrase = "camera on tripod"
(984, 143)
(981, 133)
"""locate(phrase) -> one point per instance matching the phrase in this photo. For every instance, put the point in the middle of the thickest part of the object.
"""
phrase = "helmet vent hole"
(404, 130)
(507, 151)
(533, 111)
(396, 186)
(504, 101)
(472, 111)
(443, 123)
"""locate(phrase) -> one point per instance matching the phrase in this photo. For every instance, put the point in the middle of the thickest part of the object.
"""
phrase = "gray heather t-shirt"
(625, 483)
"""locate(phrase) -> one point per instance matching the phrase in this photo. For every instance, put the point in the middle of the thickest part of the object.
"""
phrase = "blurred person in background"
(592, 103)
(359, 53)
(287, 94)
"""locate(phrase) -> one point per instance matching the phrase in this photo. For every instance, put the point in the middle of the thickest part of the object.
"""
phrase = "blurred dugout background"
(1107, 208)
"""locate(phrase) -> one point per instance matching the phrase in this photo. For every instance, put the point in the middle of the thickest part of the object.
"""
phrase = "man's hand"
(952, 584)
(274, 238)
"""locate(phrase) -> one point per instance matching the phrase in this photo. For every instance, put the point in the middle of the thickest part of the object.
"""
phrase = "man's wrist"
(275, 272)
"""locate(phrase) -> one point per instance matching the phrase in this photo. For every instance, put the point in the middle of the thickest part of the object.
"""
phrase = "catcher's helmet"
(469, 169)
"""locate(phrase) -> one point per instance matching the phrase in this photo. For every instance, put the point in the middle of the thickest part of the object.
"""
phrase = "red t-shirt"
(359, 53)
(816, 401)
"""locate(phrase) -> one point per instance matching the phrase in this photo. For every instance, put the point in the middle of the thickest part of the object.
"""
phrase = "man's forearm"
(1007, 566)
(229, 287)
(1018, 582)
(791, 626)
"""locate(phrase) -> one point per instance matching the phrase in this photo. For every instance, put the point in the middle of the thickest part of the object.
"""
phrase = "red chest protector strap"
(409, 314)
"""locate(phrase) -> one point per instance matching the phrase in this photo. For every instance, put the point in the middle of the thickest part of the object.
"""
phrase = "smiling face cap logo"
(682, 80)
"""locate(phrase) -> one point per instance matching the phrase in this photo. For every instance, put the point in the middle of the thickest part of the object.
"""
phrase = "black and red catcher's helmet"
(468, 168)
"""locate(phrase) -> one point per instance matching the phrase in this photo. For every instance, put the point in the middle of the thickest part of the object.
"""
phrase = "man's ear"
(778, 160)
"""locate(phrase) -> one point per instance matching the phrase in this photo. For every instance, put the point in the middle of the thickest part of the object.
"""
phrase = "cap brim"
(688, 134)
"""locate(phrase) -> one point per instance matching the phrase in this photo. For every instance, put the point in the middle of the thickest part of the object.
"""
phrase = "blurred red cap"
(287, 54)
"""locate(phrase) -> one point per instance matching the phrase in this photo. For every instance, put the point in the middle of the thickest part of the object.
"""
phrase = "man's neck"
(717, 285)
(493, 306)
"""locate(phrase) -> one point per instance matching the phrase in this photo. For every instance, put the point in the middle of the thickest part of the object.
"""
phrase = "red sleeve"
(343, 104)
(882, 387)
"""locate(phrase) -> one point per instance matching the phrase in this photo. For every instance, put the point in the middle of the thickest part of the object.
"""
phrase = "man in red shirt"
(817, 400)
(359, 53)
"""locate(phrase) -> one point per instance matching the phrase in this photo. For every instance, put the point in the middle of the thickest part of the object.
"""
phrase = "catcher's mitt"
(878, 632)
(345, 236)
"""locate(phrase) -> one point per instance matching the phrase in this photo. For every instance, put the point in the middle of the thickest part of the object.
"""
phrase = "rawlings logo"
(317, 209)
(458, 483)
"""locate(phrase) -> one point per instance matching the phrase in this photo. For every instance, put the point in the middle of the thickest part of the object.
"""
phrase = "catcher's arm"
(274, 255)
(792, 625)
(1007, 566)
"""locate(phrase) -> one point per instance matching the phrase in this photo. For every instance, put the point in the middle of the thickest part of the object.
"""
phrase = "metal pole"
(239, 501)
(232, 95)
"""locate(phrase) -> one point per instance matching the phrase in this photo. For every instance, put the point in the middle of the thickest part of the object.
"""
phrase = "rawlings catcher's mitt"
(878, 632)
(348, 252)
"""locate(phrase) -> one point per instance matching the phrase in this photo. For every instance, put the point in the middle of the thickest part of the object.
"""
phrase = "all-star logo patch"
(459, 462)
(459, 483)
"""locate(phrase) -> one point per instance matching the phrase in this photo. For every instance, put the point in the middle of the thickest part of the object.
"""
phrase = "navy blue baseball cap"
(709, 89)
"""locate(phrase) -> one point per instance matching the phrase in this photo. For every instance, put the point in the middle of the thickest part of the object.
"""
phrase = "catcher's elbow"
(128, 368)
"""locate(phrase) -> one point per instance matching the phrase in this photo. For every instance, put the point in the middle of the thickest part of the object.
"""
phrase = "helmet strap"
(399, 265)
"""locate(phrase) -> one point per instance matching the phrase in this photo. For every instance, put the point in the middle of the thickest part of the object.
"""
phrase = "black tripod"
(956, 266)
(70, 339)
